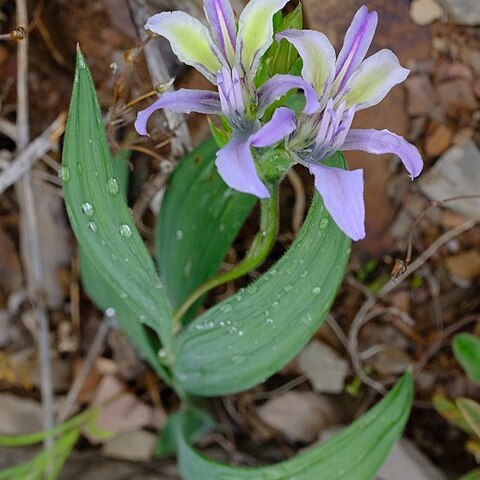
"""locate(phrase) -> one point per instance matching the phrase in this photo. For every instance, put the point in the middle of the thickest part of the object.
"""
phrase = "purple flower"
(345, 85)
(229, 57)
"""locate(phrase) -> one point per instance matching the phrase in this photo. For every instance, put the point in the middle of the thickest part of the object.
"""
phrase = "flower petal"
(280, 85)
(280, 126)
(236, 166)
(190, 41)
(376, 76)
(181, 101)
(221, 18)
(383, 141)
(318, 57)
(255, 32)
(357, 41)
(342, 193)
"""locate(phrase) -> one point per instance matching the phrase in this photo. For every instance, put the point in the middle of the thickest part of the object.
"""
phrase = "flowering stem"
(260, 248)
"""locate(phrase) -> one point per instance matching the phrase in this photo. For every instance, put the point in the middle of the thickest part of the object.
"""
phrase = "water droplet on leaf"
(92, 226)
(112, 186)
(125, 231)
(317, 291)
(87, 209)
(64, 174)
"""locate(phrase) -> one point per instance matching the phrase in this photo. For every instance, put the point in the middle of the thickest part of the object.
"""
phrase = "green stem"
(259, 250)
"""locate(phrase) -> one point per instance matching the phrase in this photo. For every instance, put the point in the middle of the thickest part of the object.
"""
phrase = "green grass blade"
(467, 351)
(248, 337)
(357, 453)
(104, 227)
(199, 220)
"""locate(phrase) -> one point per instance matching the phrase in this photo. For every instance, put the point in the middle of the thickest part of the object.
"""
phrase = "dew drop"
(179, 235)
(275, 304)
(125, 231)
(240, 333)
(87, 209)
(288, 288)
(64, 174)
(269, 321)
(123, 295)
(79, 168)
(112, 186)
(142, 318)
(317, 291)
(324, 223)
(304, 274)
(92, 226)
(162, 354)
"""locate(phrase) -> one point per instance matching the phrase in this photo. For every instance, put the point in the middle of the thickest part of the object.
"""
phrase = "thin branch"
(8, 129)
(30, 241)
(33, 152)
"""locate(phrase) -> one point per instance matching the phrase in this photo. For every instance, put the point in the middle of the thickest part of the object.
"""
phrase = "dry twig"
(30, 241)
(33, 152)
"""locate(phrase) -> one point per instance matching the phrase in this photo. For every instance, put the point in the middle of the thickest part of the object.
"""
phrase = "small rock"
(448, 71)
(438, 140)
(456, 96)
(463, 12)
(424, 12)
(465, 265)
(134, 446)
(19, 415)
(406, 461)
(421, 96)
(391, 360)
(125, 413)
(298, 415)
(325, 369)
(471, 56)
(456, 173)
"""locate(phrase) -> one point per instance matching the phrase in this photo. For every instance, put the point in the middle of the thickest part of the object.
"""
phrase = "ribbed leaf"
(357, 453)
(471, 413)
(199, 219)
(104, 227)
(467, 351)
(248, 337)
(93, 283)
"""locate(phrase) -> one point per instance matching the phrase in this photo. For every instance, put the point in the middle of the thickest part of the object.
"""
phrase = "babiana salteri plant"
(283, 97)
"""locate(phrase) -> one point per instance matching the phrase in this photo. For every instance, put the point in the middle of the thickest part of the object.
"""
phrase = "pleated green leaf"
(357, 453)
(250, 336)
(198, 221)
(467, 351)
(104, 227)
(93, 282)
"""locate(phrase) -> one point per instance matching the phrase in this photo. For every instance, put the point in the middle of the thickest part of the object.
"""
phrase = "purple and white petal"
(221, 18)
(357, 41)
(231, 97)
(279, 127)
(190, 41)
(236, 166)
(318, 57)
(342, 193)
(181, 101)
(382, 141)
(280, 85)
(375, 77)
(255, 33)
